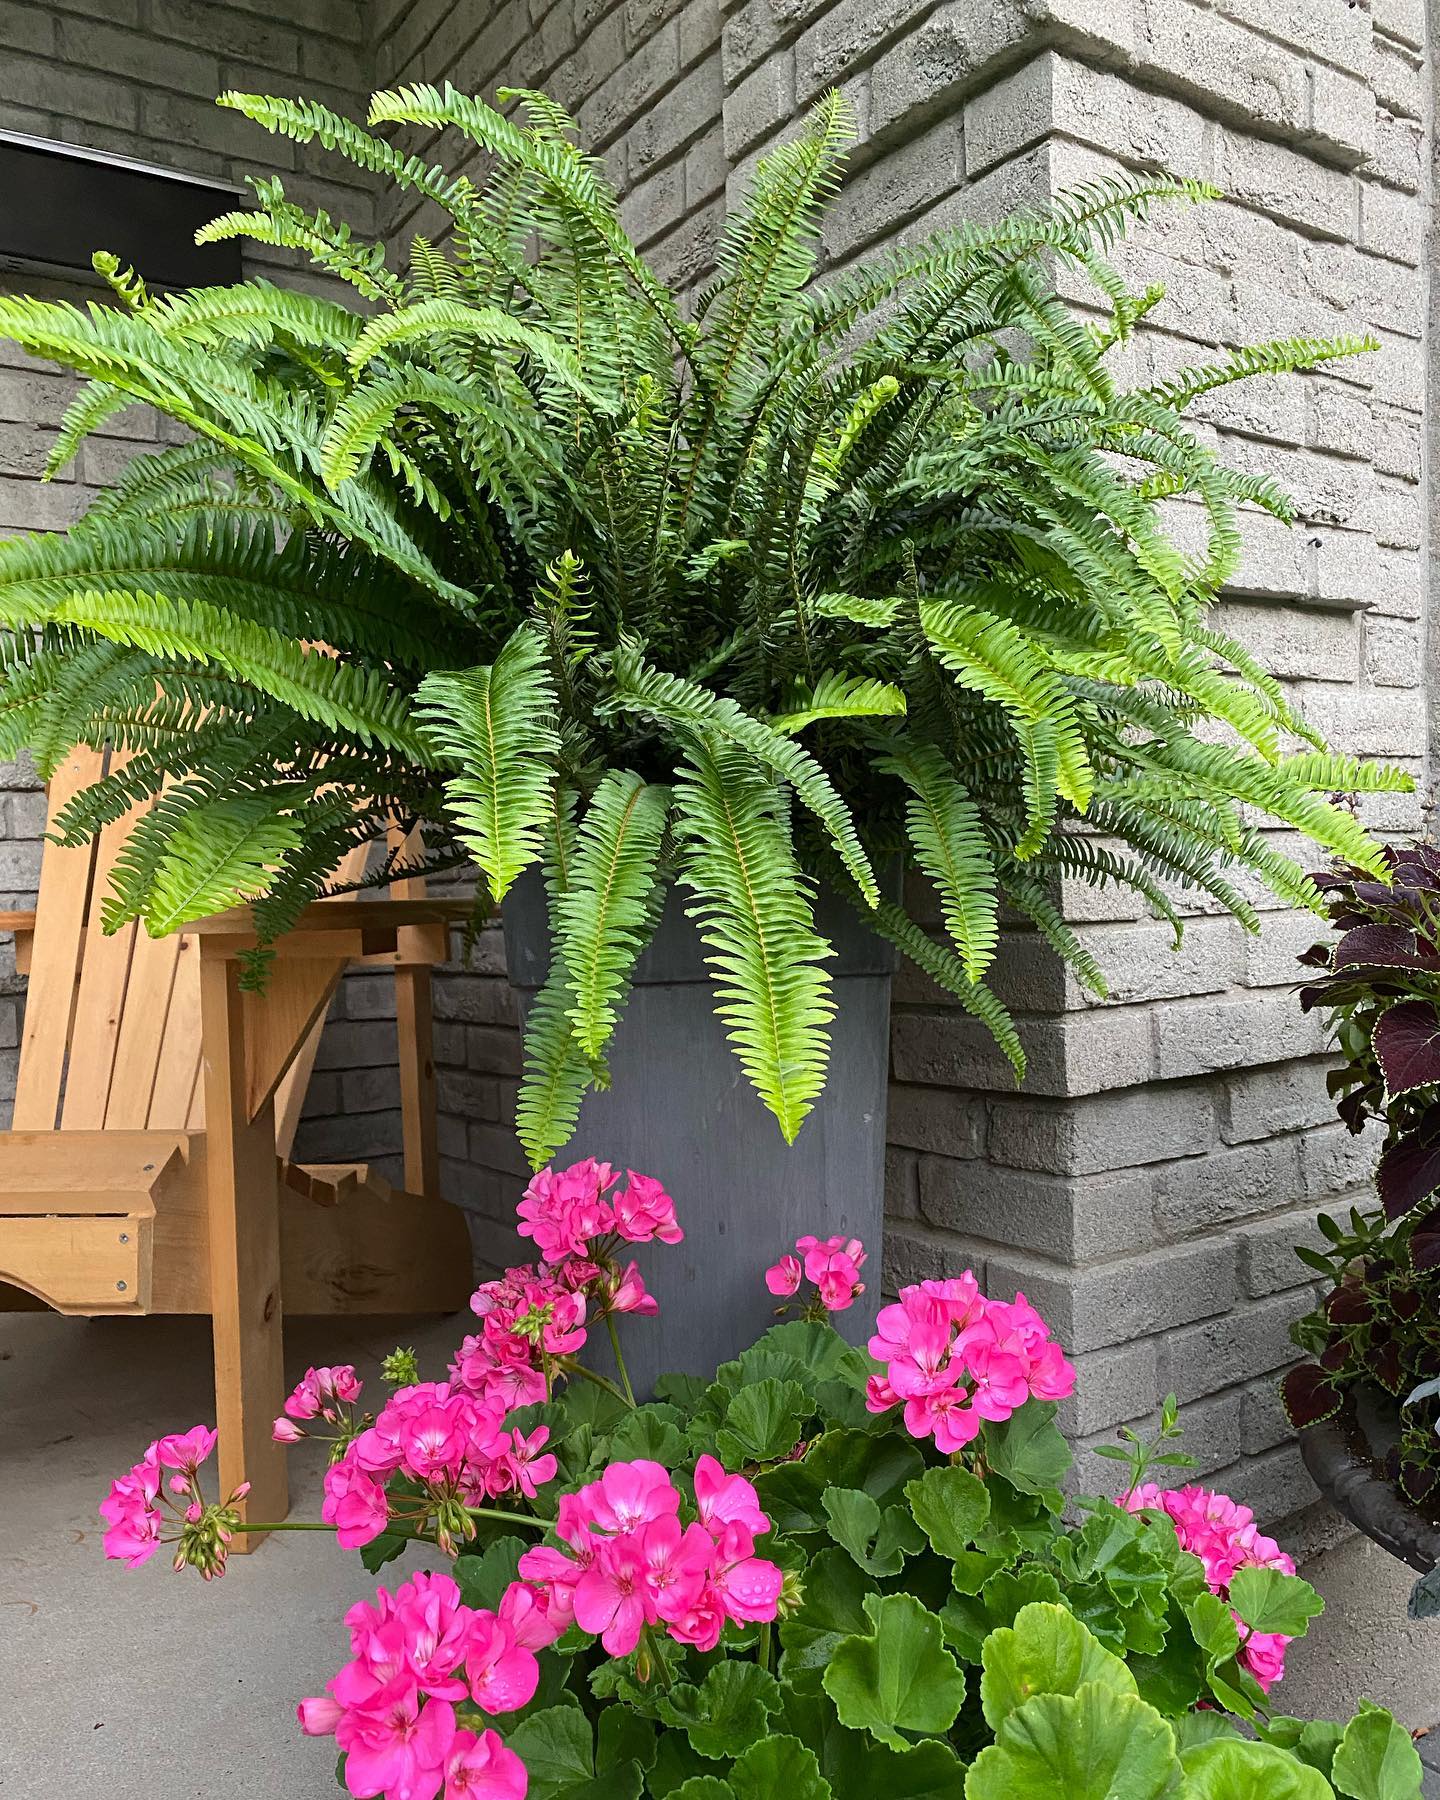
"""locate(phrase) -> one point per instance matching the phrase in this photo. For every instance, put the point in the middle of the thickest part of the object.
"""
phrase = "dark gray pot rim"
(1354, 1487)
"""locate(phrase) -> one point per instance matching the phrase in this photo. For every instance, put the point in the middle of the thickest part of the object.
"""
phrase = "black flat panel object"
(59, 203)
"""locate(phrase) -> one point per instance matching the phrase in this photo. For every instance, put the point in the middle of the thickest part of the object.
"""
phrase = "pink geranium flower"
(398, 1745)
(131, 1513)
(611, 1598)
(632, 1296)
(783, 1278)
(354, 1503)
(186, 1450)
(644, 1211)
(1223, 1534)
(748, 1587)
(503, 1673)
(626, 1495)
(723, 1499)
(483, 1768)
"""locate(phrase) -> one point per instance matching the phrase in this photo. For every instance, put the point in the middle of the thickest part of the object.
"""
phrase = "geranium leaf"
(1406, 1040)
(1094, 1745)
(832, 1608)
(1046, 1651)
(778, 1768)
(951, 1507)
(793, 1494)
(558, 1750)
(969, 1619)
(1231, 1769)
(878, 1541)
(930, 1770)
(1376, 1759)
(650, 1433)
(1028, 1450)
(899, 1677)
(483, 1579)
(1269, 1601)
(762, 1423)
(703, 1787)
(726, 1712)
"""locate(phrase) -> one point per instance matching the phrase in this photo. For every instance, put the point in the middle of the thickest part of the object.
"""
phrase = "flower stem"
(619, 1358)
(762, 1648)
(601, 1381)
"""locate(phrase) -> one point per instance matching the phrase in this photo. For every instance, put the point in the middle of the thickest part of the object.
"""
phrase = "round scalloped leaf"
(1097, 1744)
(1232, 1769)
(951, 1507)
(1270, 1601)
(779, 1768)
(1046, 1651)
(898, 1678)
(1376, 1759)
(1028, 1450)
(726, 1712)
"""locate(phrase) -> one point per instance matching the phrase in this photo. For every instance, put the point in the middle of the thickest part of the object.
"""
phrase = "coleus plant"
(824, 1572)
(1379, 985)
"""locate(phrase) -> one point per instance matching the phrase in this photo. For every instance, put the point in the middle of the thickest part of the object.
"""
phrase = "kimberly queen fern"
(776, 590)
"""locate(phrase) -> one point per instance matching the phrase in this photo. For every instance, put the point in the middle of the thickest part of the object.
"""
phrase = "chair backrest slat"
(104, 990)
(55, 956)
(177, 1100)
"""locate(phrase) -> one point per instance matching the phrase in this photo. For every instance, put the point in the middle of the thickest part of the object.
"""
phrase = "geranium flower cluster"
(329, 1394)
(450, 1440)
(532, 1316)
(417, 1655)
(1224, 1535)
(832, 1265)
(634, 1565)
(146, 1507)
(954, 1358)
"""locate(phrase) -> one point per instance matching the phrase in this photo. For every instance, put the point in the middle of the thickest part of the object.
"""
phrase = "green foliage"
(812, 579)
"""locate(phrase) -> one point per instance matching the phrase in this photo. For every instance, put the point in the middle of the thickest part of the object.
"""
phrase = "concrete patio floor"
(148, 1685)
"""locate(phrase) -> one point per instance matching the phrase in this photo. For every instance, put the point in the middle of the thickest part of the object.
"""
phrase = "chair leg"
(242, 1182)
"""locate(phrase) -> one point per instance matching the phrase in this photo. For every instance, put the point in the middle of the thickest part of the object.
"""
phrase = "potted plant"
(689, 628)
(1367, 1402)
(818, 1571)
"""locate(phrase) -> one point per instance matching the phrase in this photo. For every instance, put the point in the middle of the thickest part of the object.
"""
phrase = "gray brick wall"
(138, 78)
(1172, 1143)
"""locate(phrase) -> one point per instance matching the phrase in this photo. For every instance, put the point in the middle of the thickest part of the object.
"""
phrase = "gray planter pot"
(679, 1108)
(1341, 1455)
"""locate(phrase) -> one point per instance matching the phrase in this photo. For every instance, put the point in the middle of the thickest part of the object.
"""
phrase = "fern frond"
(836, 696)
(602, 917)
(754, 917)
(948, 837)
(495, 727)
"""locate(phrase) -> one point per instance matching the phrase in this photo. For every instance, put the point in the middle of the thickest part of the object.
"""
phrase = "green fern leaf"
(223, 852)
(603, 918)
(495, 727)
(755, 920)
(950, 844)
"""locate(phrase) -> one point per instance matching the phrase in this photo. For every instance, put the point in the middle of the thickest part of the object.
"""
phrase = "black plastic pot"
(679, 1108)
(1345, 1456)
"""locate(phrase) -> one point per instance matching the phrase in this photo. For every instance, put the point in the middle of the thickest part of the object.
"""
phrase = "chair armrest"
(23, 926)
(410, 931)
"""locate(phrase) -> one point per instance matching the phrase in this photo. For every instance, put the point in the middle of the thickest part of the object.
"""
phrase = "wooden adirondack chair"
(148, 1167)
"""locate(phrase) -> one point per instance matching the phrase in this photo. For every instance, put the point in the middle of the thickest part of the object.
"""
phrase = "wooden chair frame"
(148, 1169)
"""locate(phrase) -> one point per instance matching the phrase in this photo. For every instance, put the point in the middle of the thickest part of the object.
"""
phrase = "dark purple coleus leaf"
(1407, 1046)
(1388, 1368)
(1350, 1304)
(1316, 957)
(1383, 947)
(1309, 1396)
(1424, 1255)
(1409, 1172)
